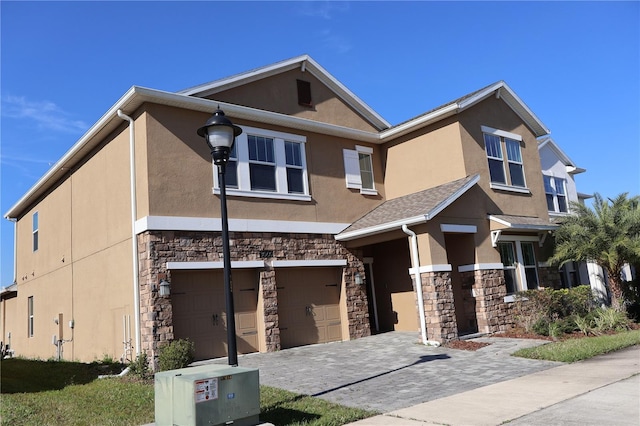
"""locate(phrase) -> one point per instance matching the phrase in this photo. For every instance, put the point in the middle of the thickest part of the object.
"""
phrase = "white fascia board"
(309, 65)
(418, 122)
(373, 230)
(458, 229)
(397, 224)
(244, 77)
(307, 263)
(136, 96)
(173, 223)
(516, 104)
(185, 266)
(444, 267)
(523, 226)
(480, 267)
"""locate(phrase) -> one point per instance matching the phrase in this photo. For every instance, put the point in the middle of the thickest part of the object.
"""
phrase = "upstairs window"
(267, 164)
(358, 167)
(555, 190)
(35, 231)
(505, 171)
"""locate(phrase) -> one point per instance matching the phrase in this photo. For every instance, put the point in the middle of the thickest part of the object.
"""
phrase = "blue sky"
(575, 64)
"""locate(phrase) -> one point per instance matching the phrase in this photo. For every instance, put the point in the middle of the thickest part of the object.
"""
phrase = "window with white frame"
(267, 164)
(555, 190)
(358, 167)
(35, 228)
(505, 171)
(30, 316)
(519, 263)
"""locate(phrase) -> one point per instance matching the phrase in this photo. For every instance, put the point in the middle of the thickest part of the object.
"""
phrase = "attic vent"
(304, 93)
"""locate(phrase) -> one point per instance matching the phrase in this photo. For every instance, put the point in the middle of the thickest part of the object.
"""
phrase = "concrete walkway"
(604, 390)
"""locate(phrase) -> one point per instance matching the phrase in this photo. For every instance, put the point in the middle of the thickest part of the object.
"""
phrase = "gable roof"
(564, 158)
(411, 209)
(499, 89)
(307, 64)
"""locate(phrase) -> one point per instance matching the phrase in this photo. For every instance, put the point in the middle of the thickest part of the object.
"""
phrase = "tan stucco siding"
(103, 293)
(181, 175)
(101, 199)
(279, 93)
(424, 159)
(54, 235)
(496, 114)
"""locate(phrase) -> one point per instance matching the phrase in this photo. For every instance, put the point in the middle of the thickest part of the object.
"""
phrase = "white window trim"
(30, 317)
(244, 181)
(554, 194)
(35, 234)
(502, 134)
(352, 169)
(521, 283)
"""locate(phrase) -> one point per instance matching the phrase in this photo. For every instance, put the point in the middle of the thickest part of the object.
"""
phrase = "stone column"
(439, 306)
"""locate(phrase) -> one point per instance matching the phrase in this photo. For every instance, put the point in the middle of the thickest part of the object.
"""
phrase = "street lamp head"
(219, 133)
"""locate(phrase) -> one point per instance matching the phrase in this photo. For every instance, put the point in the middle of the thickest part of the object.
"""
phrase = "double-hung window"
(555, 190)
(358, 167)
(30, 316)
(504, 155)
(519, 264)
(267, 164)
(35, 228)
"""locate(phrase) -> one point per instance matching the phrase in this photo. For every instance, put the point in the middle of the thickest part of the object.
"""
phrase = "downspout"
(415, 261)
(134, 237)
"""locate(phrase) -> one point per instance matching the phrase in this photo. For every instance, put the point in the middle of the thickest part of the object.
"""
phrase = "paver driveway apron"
(389, 371)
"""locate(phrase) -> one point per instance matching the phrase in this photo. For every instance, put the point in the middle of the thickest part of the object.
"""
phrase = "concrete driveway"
(389, 371)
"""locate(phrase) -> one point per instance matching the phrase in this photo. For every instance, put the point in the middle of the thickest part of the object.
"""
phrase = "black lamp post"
(220, 134)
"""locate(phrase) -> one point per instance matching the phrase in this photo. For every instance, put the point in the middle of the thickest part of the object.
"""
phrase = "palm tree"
(608, 235)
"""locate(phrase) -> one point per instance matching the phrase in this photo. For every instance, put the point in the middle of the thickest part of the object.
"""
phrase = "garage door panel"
(308, 301)
(199, 311)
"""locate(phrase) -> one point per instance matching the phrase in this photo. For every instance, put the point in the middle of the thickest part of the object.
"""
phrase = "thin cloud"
(322, 9)
(47, 115)
(335, 42)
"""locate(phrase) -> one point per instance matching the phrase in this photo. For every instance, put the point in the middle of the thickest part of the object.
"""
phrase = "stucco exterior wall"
(181, 175)
(83, 265)
(279, 93)
(495, 113)
(423, 159)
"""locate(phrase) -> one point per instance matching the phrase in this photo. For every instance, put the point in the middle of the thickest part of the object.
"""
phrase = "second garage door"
(199, 311)
(309, 305)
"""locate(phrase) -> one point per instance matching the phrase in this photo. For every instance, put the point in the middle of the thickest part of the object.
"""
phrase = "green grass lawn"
(573, 350)
(68, 393)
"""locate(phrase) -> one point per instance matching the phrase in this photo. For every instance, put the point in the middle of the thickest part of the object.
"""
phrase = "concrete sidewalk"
(601, 390)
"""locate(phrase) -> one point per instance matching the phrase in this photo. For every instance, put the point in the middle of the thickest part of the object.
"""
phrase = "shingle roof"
(413, 208)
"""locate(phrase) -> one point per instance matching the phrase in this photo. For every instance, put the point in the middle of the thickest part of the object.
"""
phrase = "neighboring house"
(335, 215)
(559, 172)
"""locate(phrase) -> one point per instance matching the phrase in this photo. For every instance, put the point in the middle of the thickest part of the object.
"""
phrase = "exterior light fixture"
(220, 133)
(358, 279)
(165, 288)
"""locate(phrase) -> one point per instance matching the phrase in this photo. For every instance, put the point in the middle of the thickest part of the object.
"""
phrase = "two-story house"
(335, 216)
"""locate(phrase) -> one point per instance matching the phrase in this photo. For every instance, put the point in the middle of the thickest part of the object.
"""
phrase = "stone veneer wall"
(439, 306)
(156, 248)
(490, 290)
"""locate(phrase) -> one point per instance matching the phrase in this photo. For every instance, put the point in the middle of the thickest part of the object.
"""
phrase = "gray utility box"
(207, 395)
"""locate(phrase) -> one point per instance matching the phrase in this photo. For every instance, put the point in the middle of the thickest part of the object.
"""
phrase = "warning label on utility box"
(206, 390)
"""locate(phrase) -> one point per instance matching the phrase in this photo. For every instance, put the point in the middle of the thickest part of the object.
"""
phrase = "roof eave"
(136, 96)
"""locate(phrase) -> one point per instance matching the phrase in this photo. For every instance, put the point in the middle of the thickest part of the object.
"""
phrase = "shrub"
(140, 367)
(177, 354)
(536, 309)
(611, 319)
